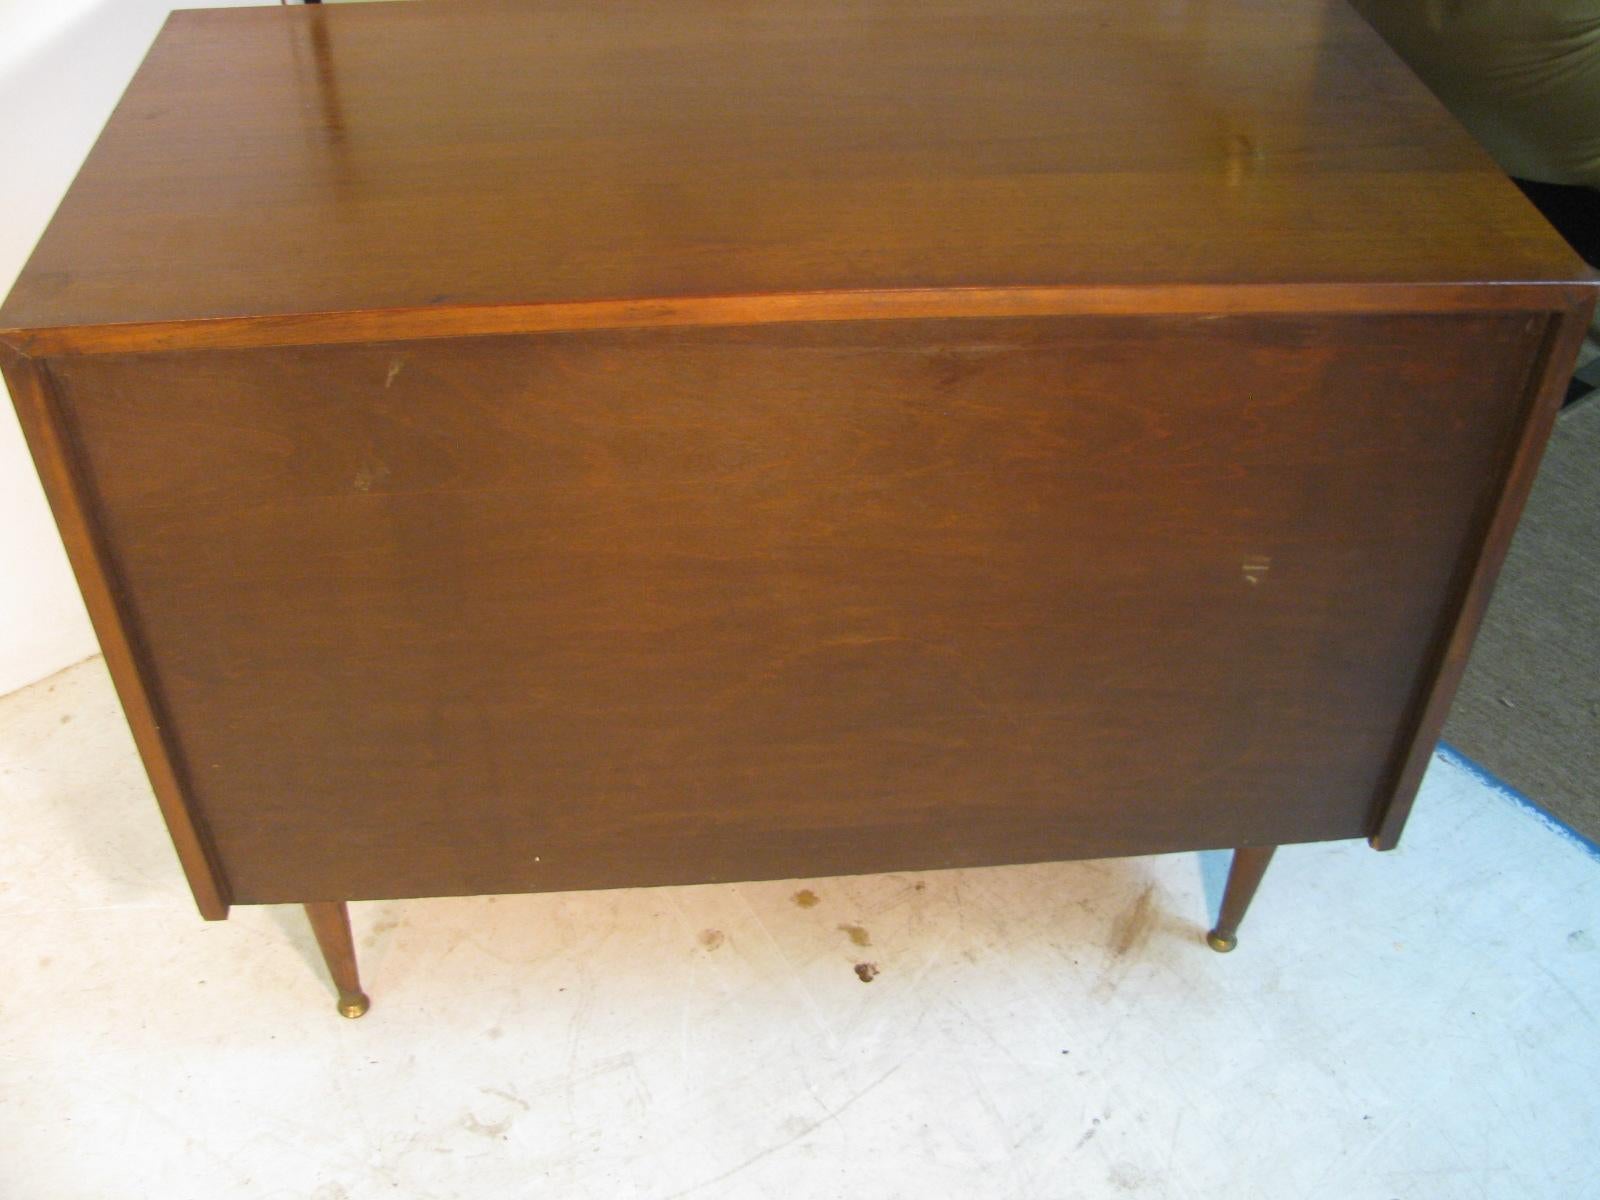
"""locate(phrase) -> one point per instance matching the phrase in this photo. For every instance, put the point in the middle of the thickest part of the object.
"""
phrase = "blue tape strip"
(1459, 760)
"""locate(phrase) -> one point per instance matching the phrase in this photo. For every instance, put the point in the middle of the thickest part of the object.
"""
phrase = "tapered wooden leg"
(331, 923)
(1249, 865)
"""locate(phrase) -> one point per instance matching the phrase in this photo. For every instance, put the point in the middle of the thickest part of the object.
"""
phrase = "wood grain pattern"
(280, 162)
(419, 324)
(659, 606)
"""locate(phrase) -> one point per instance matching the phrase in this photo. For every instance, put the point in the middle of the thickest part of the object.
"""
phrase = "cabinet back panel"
(685, 605)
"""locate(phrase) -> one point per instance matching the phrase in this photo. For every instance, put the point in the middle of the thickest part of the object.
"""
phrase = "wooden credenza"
(530, 446)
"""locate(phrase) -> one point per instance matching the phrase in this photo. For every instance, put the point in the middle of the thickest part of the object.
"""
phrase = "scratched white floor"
(1415, 1025)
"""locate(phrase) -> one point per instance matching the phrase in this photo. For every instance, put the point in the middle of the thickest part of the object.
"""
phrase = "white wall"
(63, 63)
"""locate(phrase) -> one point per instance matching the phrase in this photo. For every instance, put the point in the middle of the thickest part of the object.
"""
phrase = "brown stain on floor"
(712, 938)
(866, 972)
(858, 935)
(1134, 925)
(380, 927)
(806, 898)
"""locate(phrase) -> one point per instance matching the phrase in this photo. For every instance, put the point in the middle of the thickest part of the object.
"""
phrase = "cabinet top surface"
(290, 160)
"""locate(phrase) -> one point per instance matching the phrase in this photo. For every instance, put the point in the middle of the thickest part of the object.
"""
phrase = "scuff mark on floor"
(1088, 1135)
(511, 1096)
(1134, 925)
(493, 1129)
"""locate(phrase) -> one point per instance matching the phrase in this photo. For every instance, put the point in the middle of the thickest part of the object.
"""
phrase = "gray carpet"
(1529, 707)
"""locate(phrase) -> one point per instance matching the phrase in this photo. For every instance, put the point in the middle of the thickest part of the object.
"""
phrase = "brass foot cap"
(1221, 942)
(354, 1006)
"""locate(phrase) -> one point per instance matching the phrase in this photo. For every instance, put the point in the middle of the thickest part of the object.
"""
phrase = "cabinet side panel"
(659, 606)
(1543, 391)
(33, 391)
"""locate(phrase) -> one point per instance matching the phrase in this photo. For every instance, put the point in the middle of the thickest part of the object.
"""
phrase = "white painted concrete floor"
(1411, 1026)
